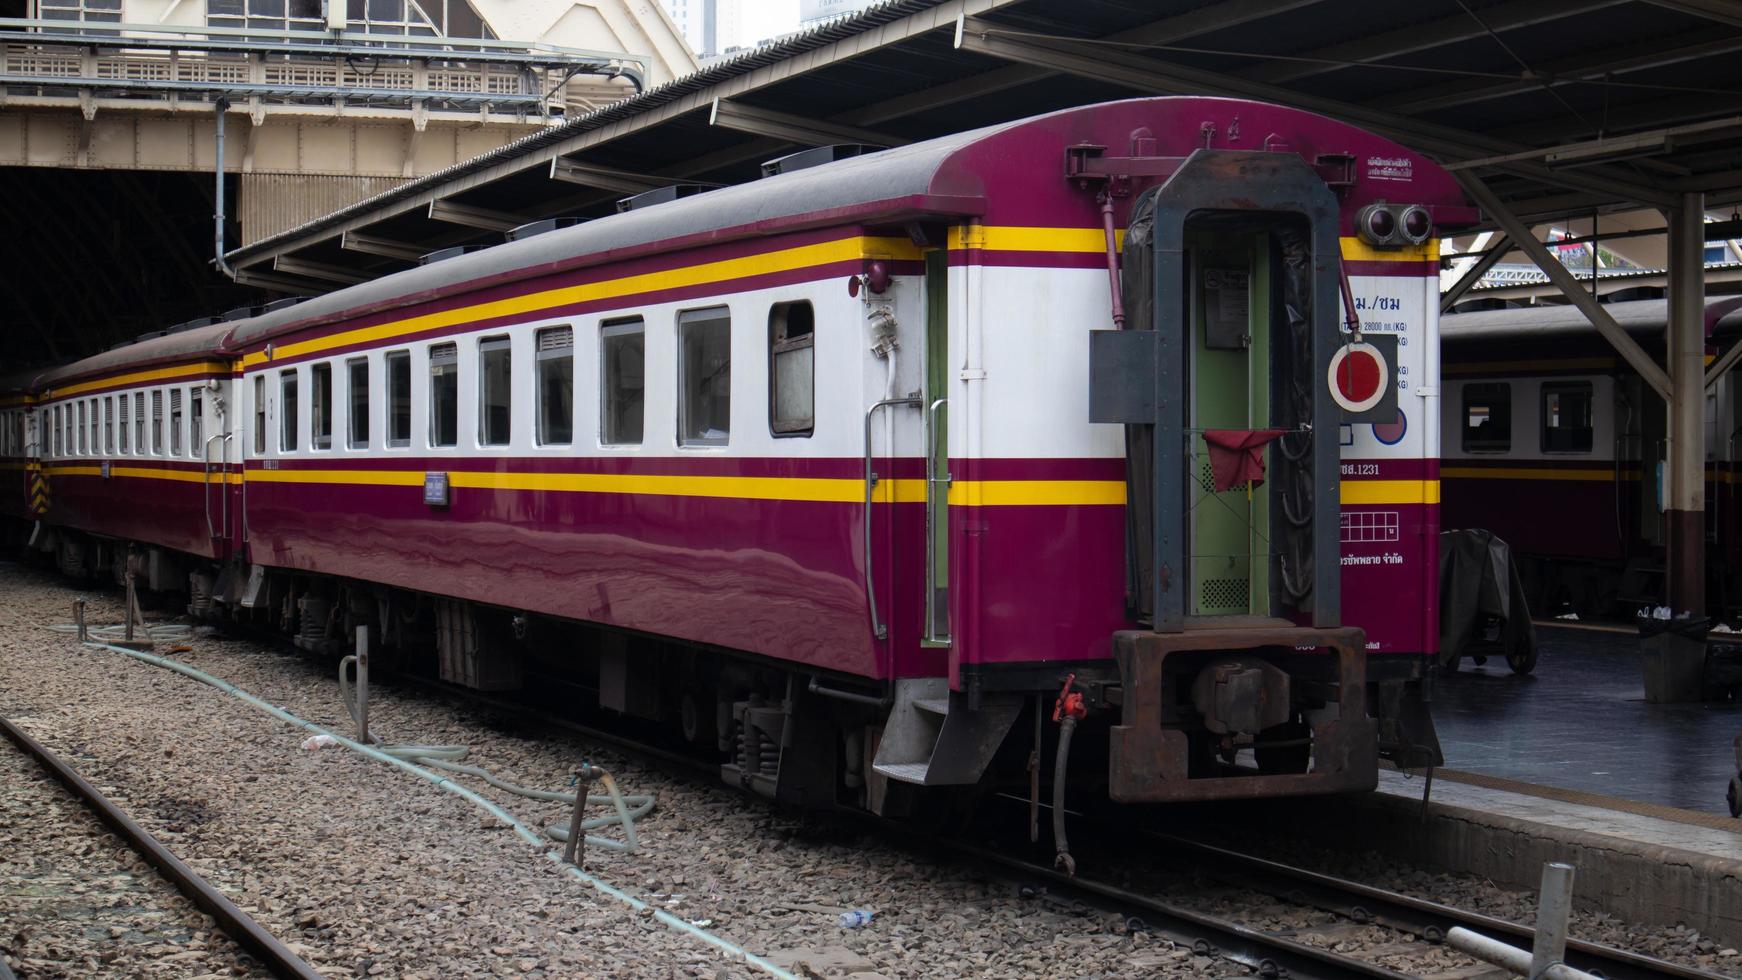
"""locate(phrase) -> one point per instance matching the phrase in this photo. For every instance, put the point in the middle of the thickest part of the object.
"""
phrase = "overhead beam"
(1567, 153)
(280, 284)
(292, 266)
(353, 241)
(604, 178)
(1150, 75)
(1207, 19)
(1487, 260)
(1569, 285)
(1567, 71)
(792, 128)
(1719, 11)
(1421, 37)
(455, 213)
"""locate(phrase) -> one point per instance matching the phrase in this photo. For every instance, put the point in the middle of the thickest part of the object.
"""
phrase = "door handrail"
(206, 481)
(931, 485)
(878, 628)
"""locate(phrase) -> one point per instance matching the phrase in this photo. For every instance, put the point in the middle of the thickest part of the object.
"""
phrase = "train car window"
(259, 414)
(704, 407)
(157, 422)
(556, 386)
(121, 423)
(287, 411)
(139, 423)
(79, 433)
(196, 422)
(495, 391)
(1566, 417)
(175, 420)
(444, 395)
(108, 425)
(357, 385)
(1487, 418)
(89, 442)
(399, 398)
(320, 395)
(792, 368)
(622, 348)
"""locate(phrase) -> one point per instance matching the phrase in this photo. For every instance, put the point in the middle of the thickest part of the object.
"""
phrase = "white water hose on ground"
(446, 757)
(725, 946)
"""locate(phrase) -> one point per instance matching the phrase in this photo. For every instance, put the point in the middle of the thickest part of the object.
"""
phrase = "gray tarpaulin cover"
(1478, 579)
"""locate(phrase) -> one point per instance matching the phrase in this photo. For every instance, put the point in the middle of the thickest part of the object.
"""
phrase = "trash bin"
(1674, 658)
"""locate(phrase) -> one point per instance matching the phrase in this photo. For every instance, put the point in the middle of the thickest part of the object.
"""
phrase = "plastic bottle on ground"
(855, 918)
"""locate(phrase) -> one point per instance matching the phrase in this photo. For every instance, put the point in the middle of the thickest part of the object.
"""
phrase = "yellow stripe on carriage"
(192, 370)
(721, 271)
(1370, 493)
(146, 473)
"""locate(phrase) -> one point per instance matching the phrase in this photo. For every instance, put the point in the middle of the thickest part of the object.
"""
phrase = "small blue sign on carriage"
(435, 489)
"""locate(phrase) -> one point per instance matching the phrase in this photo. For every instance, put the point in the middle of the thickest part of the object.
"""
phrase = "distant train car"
(841, 473)
(1552, 442)
(21, 489)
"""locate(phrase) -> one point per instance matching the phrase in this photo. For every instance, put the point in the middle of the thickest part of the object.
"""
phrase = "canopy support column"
(1684, 517)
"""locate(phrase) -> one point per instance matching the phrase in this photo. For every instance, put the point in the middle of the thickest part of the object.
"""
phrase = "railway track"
(273, 955)
(1426, 920)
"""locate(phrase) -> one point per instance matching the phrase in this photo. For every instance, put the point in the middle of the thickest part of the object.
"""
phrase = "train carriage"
(1553, 443)
(21, 488)
(851, 467)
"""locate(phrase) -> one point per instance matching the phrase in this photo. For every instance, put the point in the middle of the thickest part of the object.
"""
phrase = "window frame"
(317, 440)
(626, 326)
(139, 423)
(688, 320)
(157, 421)
(1487, 447)
(1584, 387)
(779, 344)
(400, 358)
(540, 357)
(197, 420)
(446, 354)
(352, 415)
(260, 426)
(486, 347)
(289, 410)
(178, 408)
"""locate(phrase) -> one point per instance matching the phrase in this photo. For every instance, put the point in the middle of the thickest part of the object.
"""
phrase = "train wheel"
(1284, 749)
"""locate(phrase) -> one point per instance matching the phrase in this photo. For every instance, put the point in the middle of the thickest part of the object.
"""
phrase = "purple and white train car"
(848, 468)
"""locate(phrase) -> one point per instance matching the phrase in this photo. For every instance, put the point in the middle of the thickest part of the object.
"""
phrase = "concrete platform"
(1641, 862)
(1580, 722)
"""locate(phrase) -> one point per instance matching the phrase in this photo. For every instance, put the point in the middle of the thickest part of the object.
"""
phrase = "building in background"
(813, 11)
(712, 27)
(114, 105)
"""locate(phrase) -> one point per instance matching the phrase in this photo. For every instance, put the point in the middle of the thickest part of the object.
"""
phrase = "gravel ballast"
(367, 871)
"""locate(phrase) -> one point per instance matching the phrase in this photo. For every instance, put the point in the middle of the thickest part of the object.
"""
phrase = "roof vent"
(660, 195)
(443, 254)
(153, 335)
(815, 156)
(532, 228)
(241, 313)
(282, 304)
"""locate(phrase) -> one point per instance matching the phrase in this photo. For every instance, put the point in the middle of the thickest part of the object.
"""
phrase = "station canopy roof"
(1563, 107)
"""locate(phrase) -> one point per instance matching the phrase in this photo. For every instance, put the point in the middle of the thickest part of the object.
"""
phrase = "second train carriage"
(1553, 443)
(826, 466)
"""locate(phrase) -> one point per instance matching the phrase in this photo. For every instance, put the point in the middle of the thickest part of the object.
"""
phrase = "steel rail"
(247, 933)
(1270, 956)
(1429, 920)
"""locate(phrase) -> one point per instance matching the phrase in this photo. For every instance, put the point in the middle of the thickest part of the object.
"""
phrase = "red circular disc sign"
(1358, 377)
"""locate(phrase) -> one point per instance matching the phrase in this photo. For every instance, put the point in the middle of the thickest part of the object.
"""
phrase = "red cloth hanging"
(1237, 456)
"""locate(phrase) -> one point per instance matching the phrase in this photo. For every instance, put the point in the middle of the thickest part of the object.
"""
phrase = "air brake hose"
(1061, 767)
(725, 946)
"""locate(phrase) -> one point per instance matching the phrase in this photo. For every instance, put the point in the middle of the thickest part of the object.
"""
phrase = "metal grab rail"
(878, 628)
(931, 484)
(206, 481)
